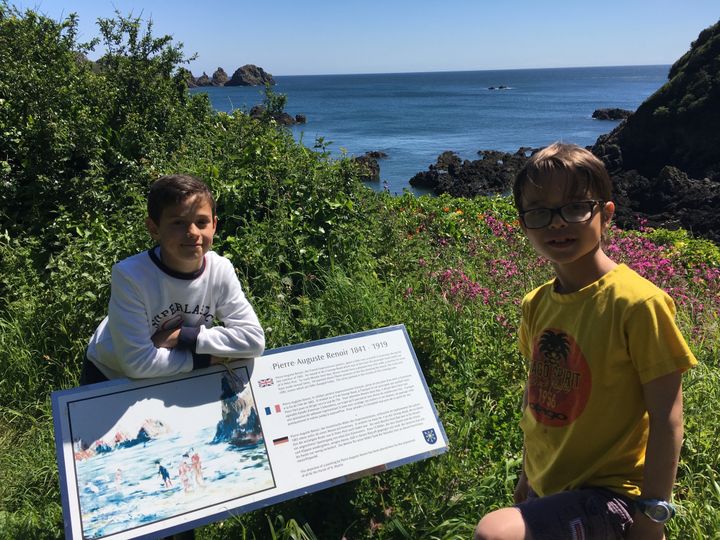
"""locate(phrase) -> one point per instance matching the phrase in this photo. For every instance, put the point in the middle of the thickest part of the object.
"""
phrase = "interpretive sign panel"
(149, 458)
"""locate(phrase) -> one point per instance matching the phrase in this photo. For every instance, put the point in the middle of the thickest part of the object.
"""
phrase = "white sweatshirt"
(146, 296)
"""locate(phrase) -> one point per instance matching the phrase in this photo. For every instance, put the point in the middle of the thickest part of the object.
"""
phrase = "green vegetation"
(320, 256)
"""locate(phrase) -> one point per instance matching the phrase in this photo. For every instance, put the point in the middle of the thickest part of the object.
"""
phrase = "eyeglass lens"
(575, 212)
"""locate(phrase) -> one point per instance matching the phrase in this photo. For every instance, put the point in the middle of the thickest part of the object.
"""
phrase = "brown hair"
(173, 189)
(587, 174)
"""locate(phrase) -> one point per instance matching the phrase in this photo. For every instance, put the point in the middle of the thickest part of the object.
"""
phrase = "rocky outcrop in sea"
(250, 75)
(611, 114)
(493, 173)
(150, 429)
(259, 112)
(369, 166)
(247, 75)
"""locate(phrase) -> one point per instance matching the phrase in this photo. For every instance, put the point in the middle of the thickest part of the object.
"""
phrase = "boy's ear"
(607, 212)
(152, 228)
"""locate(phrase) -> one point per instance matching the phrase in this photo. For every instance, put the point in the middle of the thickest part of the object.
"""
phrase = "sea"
(123, 489)
(414, 117)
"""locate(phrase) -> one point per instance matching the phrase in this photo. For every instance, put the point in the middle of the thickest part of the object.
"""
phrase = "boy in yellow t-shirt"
(602, 409)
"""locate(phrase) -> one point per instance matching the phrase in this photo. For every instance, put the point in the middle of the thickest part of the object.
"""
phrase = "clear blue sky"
(293, 37)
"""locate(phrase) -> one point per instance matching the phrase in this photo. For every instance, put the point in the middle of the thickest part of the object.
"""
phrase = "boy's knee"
(503, 524)
(486, 530)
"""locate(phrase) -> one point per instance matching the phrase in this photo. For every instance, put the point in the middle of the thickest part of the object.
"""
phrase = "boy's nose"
(556, 221)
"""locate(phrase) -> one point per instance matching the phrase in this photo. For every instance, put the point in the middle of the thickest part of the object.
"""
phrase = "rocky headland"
(664, 158)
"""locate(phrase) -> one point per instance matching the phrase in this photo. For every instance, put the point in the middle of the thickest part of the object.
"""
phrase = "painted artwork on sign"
(172, 449)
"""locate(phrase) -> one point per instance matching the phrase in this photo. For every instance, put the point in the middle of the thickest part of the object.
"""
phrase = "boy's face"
(185, 233)
(565, 244)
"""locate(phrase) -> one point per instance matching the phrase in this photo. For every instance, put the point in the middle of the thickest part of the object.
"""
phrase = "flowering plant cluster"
(693, 285)
(473, 254)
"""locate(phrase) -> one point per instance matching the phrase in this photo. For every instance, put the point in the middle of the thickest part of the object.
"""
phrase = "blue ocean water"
(122, 489)
(413, 117)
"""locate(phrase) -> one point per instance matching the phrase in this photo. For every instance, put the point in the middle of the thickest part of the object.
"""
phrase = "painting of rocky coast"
(167, 454)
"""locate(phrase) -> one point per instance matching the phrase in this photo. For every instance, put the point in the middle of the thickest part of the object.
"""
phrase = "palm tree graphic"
(554, 346)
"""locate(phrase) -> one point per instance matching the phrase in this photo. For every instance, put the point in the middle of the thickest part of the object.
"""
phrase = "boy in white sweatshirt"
(164, 301)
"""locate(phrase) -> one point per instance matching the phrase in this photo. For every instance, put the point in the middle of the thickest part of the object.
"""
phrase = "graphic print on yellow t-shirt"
(560, 379)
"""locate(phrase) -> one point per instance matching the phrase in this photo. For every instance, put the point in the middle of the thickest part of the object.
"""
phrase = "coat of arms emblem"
(430, 436)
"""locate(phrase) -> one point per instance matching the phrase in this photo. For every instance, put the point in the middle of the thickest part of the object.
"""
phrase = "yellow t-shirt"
(589, 354)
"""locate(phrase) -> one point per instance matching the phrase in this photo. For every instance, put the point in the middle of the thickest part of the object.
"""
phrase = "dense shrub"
(78, 138)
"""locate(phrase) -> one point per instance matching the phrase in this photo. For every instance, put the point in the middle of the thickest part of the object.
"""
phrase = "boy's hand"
(167, 339)
(643, 528)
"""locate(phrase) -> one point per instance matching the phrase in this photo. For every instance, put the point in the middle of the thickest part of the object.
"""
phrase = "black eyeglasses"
(574, 212)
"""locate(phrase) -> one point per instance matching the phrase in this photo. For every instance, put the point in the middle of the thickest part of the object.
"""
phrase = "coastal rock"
(369, 168)
(671, 200)
(239, 425)
(203, 80)
(259, 112)
(284, 119)
(678, 124)
(493, 173)
(611, 114)
(219, 78)
(188, 77)
(250, 75)
(425, 180)
(150, 429)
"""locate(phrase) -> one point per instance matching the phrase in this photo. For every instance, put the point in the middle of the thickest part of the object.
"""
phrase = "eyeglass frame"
(558, 211)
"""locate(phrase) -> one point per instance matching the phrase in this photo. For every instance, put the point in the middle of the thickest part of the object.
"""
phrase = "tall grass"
(453, 272)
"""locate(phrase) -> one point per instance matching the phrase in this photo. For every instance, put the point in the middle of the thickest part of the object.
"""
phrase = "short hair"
(585, 171)
(173, 189)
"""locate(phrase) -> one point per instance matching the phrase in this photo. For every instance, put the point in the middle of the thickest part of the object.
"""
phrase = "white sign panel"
(155, 457)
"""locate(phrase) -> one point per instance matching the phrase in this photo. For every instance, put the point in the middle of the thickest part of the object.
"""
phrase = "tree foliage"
(76, 136)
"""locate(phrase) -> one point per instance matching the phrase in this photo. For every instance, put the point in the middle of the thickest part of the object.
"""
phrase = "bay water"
(413, 117)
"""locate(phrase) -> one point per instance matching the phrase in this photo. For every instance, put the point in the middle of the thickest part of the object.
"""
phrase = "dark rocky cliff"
(665, 158)
(240, 423)
(678, 125)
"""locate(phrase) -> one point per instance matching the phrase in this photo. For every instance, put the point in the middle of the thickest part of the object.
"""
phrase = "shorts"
(90, 373)
(580, 514)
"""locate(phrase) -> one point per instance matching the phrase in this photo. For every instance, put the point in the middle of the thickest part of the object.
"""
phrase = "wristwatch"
(656, 509)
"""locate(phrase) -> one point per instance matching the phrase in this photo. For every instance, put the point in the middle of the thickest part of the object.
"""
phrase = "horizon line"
(457, 70)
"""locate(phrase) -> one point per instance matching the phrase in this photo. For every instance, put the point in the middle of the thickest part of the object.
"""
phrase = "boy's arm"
(132, 342)
(663, 400)
(241, 335)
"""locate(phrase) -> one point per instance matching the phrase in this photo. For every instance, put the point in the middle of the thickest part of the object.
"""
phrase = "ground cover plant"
(320, 255)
